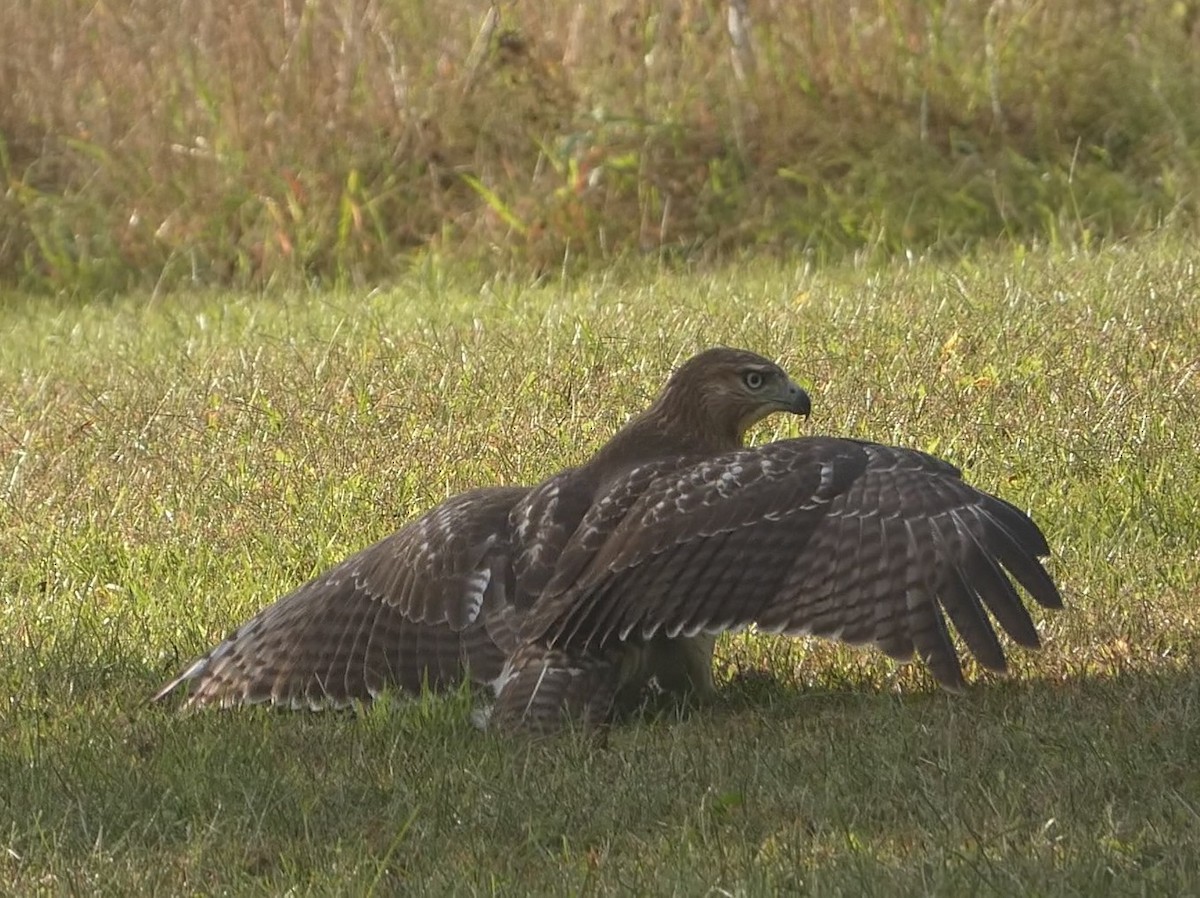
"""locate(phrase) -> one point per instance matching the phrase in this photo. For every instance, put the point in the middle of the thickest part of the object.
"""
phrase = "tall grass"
(156, 144)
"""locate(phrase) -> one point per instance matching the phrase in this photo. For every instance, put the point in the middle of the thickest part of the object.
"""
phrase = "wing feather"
(407, 610)
(996, 591)
(961, 603)
(1017, 545)
(926, 624)
(892, 633)
(717, 496)
(837, 538)
(689, 570)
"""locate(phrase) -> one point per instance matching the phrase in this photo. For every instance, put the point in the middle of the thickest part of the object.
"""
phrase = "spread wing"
(855, 541)
(425, 606)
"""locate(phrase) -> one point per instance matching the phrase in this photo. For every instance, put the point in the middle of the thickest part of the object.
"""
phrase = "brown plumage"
(570, 598)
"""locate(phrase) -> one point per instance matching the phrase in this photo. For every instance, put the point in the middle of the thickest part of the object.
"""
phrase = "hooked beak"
(796, 400)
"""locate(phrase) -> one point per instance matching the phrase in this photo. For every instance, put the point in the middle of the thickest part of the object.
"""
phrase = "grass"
(154, 147)
(170, 468)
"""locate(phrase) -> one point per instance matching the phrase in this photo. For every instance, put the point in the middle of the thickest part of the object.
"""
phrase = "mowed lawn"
(170, 465)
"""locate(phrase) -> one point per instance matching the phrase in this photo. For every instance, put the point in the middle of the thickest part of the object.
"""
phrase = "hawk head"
(725, 392)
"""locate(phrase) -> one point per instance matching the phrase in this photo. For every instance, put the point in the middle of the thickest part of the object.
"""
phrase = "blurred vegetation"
(151, 145)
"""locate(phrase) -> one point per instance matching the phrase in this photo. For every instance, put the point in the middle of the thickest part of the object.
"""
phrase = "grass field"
(170, 467)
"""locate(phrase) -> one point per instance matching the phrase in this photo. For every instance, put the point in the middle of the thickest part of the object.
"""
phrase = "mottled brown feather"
(836, 538)
(401, 613)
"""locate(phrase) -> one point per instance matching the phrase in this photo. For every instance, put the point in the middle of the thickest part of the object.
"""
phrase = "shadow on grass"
(1037, 772)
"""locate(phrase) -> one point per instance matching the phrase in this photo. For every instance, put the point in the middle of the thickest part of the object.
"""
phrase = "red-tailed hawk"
(570, 598)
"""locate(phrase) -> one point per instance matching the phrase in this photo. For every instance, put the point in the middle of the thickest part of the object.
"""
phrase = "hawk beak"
(796, 401)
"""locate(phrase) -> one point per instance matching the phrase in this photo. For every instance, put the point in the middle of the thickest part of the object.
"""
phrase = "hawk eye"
(754, 379)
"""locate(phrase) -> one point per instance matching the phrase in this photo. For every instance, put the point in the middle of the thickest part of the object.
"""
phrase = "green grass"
(167, 469)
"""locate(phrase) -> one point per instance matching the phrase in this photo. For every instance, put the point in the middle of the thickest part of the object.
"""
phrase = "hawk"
(571, 598)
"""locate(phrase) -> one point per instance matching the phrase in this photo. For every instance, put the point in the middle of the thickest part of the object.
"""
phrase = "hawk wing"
(563, 522)
(854, 541)
(427, 605)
